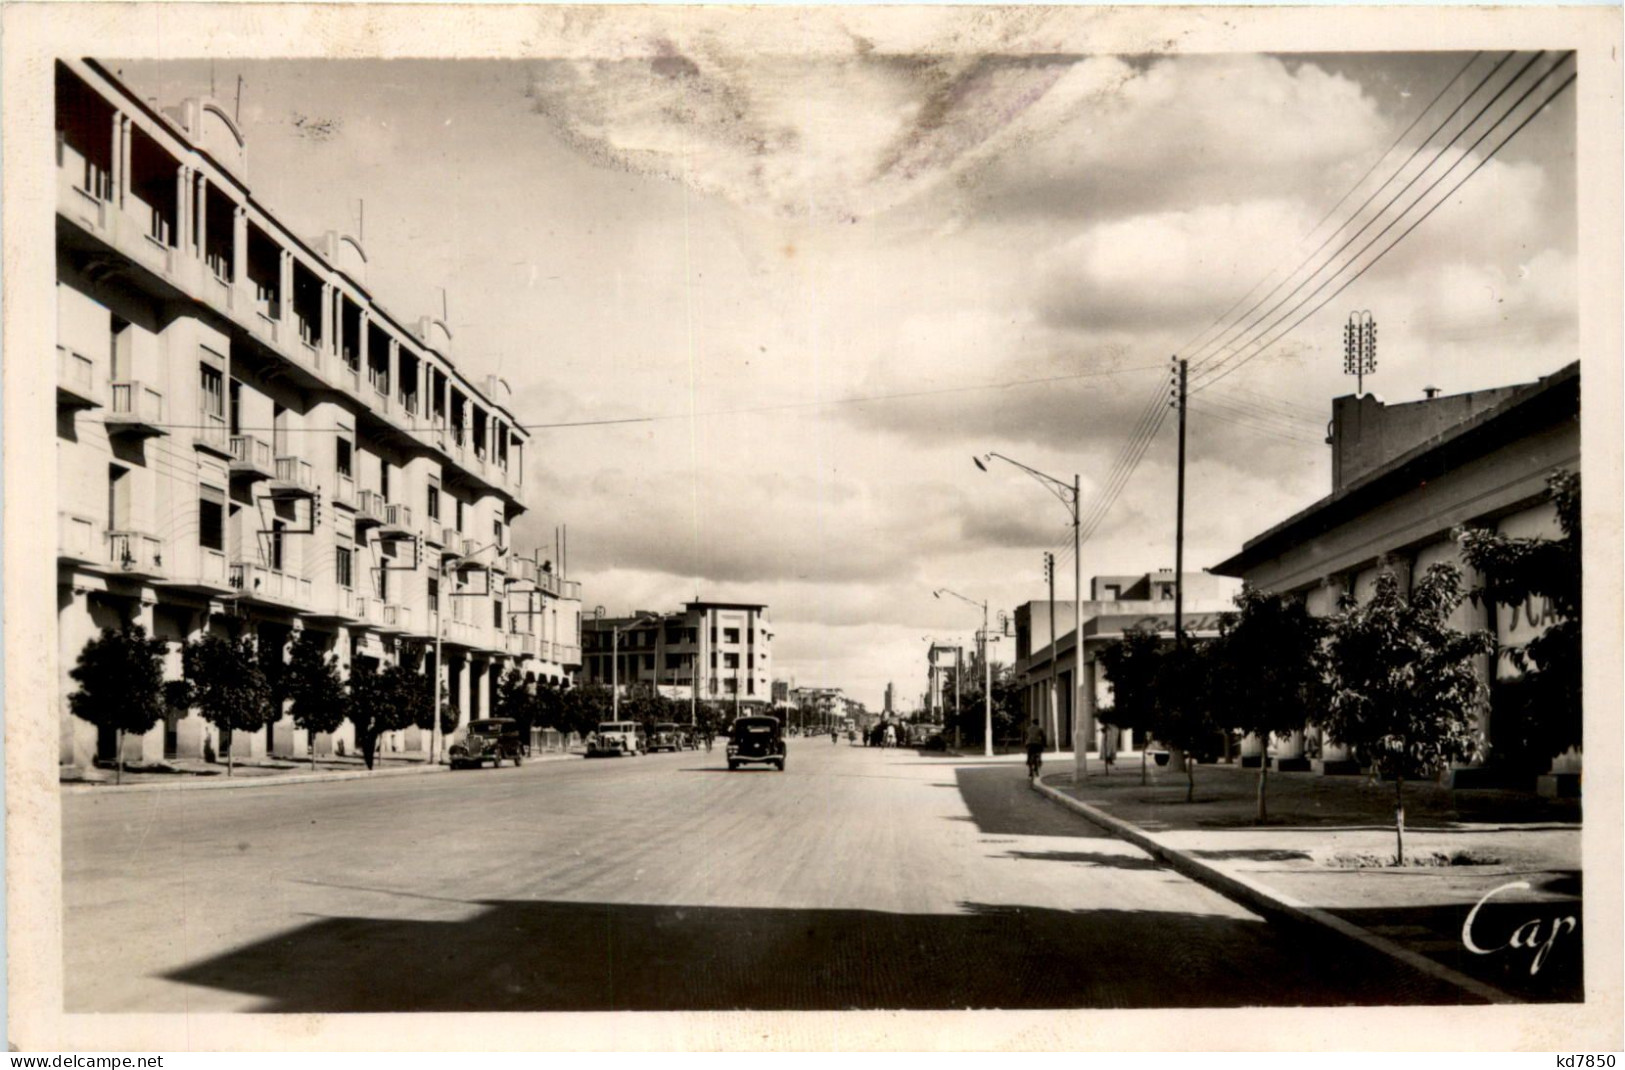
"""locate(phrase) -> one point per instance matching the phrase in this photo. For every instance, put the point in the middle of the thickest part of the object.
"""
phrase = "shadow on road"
(1090, 858)
(1001, 803)
(560, 956)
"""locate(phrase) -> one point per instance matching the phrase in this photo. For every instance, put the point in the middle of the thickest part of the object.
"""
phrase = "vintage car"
(756, 739)
(665, 736)
(488, 741)
(616, 738)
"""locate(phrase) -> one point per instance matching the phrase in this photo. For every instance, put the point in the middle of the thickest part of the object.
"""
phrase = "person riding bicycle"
(1036, 741)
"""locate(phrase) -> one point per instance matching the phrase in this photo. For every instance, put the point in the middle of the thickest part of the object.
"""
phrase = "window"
(346, 457)
(346, 567)
(119, 349)
(648, 661)
(212, 387)
(382, 584)
(496, 614)
(496, 531)
(674, 661)
(211, 518)
(118, 498)
(1114, 592)
(434, 595)
(730, 661)
(434, 503)
(730, 635)
(459, 514)
(236, 399)
(275, 534)
(750, 686)
(713, 637)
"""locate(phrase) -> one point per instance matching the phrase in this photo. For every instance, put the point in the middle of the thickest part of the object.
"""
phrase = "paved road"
(856, 879)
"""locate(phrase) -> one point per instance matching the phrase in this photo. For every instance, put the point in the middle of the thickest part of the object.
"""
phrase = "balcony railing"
(396, 616)
(135, 407)
(272, 585)
(251, 454)
(135, 552)
(344, 490)
(567, 655)
(370, 504)
(294, 474)
(398, 517)
(452, 540)
(76, 379)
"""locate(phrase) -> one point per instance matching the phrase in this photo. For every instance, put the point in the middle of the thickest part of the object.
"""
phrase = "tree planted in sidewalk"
(1270, 671)
(1405, 694)
(120, 674)
(1543, 709)
(380, 700)
(222, 679)
(1131, 665)
(315, 689)
(1186, 702)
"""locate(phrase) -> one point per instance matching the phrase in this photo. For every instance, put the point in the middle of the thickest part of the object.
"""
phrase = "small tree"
(1270, 670)
(120, 674)
(315, 688)
(1185, 700)
(1131, 665)
(222, 679)
(1405, 693)
(370, 707)
(1545, 703)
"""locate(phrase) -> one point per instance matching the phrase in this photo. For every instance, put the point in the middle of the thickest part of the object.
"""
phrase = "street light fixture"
(447, 566)
(1068, 495)
(987, 669)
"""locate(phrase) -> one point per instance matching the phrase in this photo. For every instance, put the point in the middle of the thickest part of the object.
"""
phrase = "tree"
(1405, 693)
(315, 688)
(1185, 703)
(1270, 672)
(513, 700)
(120, 674)
(223, 680)
(1543, 708)
(1131, 665)
(1008, 710)
(382, 700)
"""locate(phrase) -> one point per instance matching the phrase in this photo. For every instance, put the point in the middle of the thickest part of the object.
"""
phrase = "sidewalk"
(193, 774)
(1324, 857)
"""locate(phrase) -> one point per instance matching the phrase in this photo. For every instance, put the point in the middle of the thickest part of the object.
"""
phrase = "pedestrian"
(891, 735)
(1036, 741)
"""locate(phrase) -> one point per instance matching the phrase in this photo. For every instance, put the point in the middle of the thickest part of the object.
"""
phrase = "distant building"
(709, 650)
(1115, 604)
(1404, 476)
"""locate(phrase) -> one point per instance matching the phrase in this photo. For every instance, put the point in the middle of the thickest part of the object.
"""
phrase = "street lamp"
(446, 568)
(1069, 496)
(987, 669)
(615, 665)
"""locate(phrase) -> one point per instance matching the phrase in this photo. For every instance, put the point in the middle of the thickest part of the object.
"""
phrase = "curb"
(220, 783)
(1267, 901)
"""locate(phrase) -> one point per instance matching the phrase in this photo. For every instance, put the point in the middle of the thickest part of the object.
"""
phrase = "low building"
(1115, 605)
(1404, 477)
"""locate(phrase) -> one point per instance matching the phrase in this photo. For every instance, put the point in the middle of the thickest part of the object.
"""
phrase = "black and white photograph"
(653, 521)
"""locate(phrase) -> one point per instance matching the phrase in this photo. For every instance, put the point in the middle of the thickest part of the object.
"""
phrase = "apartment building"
(712, 650)
(247, 440)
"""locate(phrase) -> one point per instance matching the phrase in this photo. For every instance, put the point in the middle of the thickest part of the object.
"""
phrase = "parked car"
(756, 739)
(665, 736)
(488, 741)
(617, 738)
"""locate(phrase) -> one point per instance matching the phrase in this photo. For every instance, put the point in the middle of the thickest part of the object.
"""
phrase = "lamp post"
(987, 670)
(446, 568)
(615, 665)
(1069, 496)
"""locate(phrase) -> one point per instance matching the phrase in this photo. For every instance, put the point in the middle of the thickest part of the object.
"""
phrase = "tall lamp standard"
(987, 670)
(446, 568)
(1068, 495)
(615, 665)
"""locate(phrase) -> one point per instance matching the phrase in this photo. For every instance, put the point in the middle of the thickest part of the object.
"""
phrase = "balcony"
(198, 569)
(397, 522)
(82, 194)
(521, 570)
(451, 542)
(137, 410)
(135, 553)
(76, 386)
(369, 509)
(251, 458)
(210, 435)
(514, 643)
(397, 618)
(293, 478)
(77, 539)
(261, 584)
(344, 491)
(566, 655)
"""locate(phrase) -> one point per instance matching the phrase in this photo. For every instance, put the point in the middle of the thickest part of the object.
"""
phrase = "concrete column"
(394, 368)
(75, 627)
(120, 151)
(361, 342)
(284, 289)
(327, 317)
(239, 248)
(183, 211)
(460, 689)
(149, 746)
(1084, 730)
(202, 214)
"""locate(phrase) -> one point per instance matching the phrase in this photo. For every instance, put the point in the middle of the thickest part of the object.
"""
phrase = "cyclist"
(1036, 741)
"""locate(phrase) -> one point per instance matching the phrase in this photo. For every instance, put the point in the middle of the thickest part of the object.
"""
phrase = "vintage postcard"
(859, 527)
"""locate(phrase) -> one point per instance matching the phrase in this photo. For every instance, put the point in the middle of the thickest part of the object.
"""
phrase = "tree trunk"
(118, 777)
(1399, 816)
(1142, 763)
(225, 744)
(1190, 779)
(1263, 776)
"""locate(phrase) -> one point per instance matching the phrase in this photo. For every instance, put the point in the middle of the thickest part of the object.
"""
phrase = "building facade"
(1047, 666)
(711, 651)
(249, 442)
(1405, 477)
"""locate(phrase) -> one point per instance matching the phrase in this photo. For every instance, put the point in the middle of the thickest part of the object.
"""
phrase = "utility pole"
(1179, 514)
(1080, 741)
(1054, 661)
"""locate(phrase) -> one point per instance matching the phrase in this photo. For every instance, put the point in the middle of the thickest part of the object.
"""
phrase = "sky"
(833, 274)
